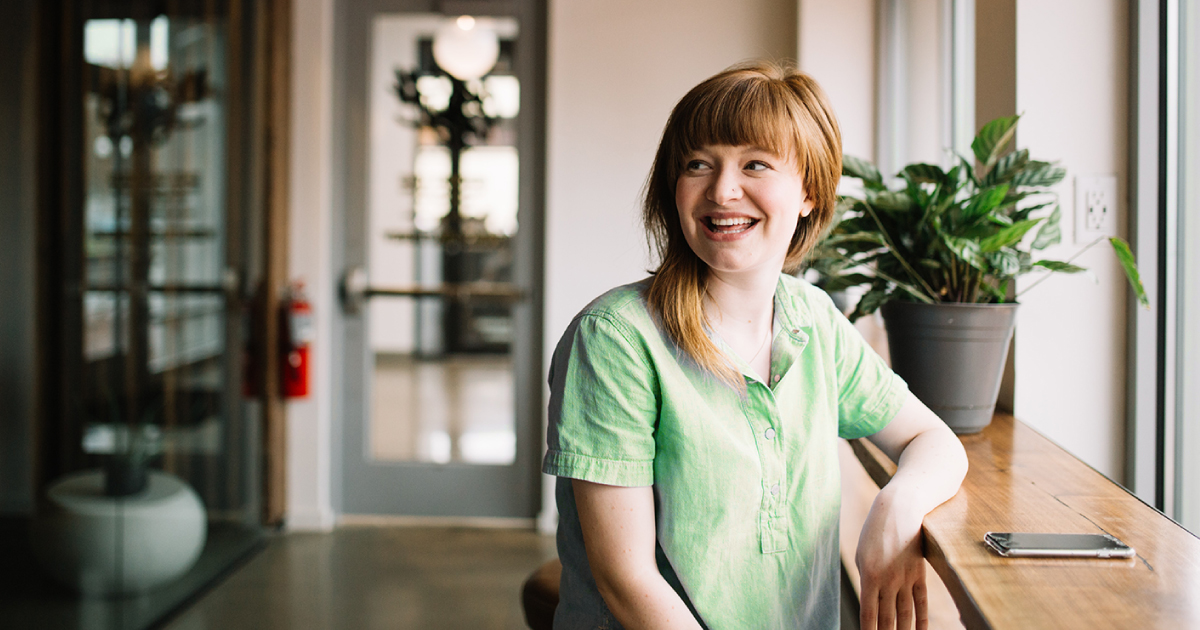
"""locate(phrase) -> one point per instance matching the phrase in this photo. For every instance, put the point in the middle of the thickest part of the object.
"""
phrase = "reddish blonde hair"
(761, 104)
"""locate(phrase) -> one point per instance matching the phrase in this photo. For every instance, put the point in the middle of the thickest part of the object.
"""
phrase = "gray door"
(440, 406)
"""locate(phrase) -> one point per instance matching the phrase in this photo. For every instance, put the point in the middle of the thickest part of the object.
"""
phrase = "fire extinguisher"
(297, 338)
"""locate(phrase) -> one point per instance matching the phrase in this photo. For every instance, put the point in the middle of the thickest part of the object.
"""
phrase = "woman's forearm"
(929, 471)
(647, 601)
(930, 460)
(619, 537)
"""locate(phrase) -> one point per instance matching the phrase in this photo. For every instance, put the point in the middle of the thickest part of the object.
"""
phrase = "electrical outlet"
(1095, 207)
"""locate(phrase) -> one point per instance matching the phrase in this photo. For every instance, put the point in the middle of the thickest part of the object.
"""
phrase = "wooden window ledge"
(1020, 481)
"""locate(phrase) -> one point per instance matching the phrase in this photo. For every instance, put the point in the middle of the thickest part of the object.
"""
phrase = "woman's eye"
(695, 165)
(757, 165)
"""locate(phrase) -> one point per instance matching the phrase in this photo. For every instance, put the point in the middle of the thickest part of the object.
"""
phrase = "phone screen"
(1040, 544)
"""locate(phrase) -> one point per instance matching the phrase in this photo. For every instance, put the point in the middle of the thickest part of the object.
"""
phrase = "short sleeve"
(603, 405)
(869, 392)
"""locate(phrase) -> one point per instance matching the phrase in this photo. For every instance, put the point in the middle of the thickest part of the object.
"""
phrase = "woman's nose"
(725, 187)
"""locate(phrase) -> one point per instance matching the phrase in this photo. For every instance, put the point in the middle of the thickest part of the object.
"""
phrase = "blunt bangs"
(751, 110)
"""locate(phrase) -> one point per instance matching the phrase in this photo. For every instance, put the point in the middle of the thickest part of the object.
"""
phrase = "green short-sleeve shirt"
(747, 490)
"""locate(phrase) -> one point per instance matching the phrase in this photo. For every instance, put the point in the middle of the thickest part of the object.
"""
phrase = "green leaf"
(1023, 213)
(998, 293)
(1059, 266)
(1007, 167)
(1026, 260)
(984, 202)
(864, 170)
(860, 237)
(1121, 248)
(853, 225)
(1008, 236)
(871, 301)
(992, 138)
(945, 202)
(1004, 262)
(967, 250)
(925, 174)
(853, 244)
(841, 283)
(1050, 232)
(980, 231)
(1015, 195)
(1039, 174)
(999, 219)
(889, 201)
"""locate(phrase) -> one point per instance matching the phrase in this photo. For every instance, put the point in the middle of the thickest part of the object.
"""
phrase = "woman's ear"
(807, 205)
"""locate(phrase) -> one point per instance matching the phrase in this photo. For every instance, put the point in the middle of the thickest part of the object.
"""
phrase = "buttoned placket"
(773, 520)
(769, 436)
(762, 412)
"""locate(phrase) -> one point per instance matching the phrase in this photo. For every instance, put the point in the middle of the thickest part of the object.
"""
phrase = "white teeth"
(729, 222)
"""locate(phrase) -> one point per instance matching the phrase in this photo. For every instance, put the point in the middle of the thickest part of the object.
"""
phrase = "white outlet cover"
(1096, 207)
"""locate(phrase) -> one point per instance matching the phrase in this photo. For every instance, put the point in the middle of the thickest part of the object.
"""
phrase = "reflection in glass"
(443, 388)
(150, 462)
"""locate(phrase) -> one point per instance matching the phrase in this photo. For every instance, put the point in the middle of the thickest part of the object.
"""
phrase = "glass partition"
(442, 218)
(150, 452)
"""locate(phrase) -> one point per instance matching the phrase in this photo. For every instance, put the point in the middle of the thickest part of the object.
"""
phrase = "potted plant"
(937, 252)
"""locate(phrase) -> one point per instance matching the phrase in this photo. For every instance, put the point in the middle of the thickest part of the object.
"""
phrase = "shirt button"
(775, 378)
(769, 434)
(775, 489)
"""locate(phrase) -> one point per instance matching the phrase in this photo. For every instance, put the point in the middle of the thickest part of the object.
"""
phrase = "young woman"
(694, 416)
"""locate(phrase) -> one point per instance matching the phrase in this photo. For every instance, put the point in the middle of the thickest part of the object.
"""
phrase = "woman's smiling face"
(738, 207)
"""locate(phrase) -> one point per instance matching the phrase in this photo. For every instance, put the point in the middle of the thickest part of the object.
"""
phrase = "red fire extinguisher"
(297, 337)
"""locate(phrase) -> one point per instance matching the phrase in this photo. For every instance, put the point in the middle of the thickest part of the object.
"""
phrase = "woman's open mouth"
(729, 226)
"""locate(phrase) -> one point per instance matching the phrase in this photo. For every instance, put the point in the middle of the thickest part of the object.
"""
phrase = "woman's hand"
(930, 466)
(892, 566)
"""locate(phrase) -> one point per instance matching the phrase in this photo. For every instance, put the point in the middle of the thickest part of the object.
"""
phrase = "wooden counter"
(1020, 481)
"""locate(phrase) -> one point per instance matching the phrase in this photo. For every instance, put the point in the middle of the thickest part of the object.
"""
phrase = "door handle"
(356, 289)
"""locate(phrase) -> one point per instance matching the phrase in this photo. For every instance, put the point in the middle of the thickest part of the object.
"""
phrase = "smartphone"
(1018, 544)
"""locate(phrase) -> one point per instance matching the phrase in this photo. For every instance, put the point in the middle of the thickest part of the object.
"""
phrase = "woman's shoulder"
(626, 303)
(619, 315)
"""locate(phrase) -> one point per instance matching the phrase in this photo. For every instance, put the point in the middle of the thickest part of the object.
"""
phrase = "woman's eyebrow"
(759, 149)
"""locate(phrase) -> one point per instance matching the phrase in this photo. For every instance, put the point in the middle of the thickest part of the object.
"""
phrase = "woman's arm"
(931, 464)
(619, 536)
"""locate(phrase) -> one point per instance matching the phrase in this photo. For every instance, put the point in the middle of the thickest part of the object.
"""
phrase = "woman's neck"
(743, 299)
(742, 313)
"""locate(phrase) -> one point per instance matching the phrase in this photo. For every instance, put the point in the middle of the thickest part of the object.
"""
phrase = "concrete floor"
(377, 577)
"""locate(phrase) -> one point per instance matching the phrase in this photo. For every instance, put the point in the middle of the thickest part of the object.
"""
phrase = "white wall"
(1070, 339)
(310, 241)
(836, 43)
(611, 83)
(612, 80)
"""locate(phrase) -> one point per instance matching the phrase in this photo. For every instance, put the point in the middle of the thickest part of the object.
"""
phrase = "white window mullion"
(1186, 189)
(1144, 450)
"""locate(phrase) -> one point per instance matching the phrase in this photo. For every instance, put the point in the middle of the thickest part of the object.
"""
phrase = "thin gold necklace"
(761, 344)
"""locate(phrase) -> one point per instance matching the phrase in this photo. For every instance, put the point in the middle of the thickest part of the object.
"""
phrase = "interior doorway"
(441, 242)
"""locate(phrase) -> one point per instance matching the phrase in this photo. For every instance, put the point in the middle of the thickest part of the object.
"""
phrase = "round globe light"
(466, 49)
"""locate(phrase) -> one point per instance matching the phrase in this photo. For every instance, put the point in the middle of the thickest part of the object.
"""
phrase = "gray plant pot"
(952, 356)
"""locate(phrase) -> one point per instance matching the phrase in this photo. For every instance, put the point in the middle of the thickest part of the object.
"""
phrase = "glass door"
(150, 450)
(442, 419)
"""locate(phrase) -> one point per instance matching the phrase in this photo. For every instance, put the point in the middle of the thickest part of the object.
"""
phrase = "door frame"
(350, 115)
